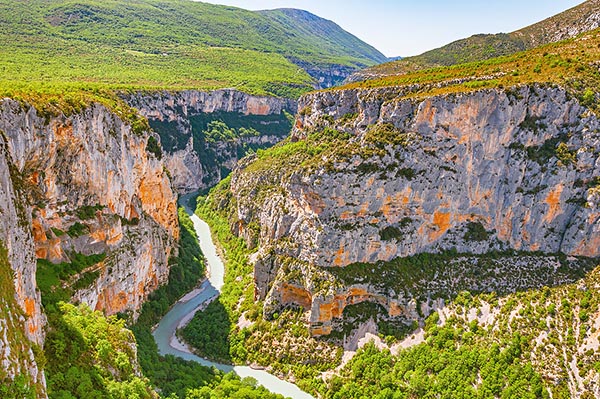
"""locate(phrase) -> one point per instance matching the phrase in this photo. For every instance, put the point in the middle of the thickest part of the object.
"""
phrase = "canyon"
(88, 184)
(457, 205)
(441, 182)
(181, 119)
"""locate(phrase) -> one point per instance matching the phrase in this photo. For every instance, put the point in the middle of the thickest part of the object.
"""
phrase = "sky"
(411, 27)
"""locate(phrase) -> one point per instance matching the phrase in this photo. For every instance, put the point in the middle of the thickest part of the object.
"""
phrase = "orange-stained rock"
(504, 229)
(34, 178)
(159, 201)
(111, 301)
(329, 310)
(364, 210)
(323, 312)
(589, 247)
(39, 235)
(396, 310)
(553, 201)
(427, 114)
(32, 329)
(386, 208)
(55, 250)
(63, 131)
(341, 258)
(257, 108)
(317, 331)
(314, 201)
(442, 221)
(393, 205)
(346, 215)
(41, 253)
(29, 306)
(292, 294)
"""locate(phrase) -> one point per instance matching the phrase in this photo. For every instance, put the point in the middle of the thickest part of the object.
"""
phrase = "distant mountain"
(320, 46)
(175, 44)
(570, 23)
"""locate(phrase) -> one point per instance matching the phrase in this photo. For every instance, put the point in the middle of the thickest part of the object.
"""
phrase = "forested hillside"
(171, 44)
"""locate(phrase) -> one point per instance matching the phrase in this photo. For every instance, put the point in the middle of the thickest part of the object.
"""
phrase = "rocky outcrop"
(492, 170)
(93, 188)
(197, 160)
(70, 187)
(171, 105)
(489, 158)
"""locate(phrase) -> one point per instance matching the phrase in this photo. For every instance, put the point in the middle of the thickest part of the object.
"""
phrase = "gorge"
(165, 331)
(430, 228)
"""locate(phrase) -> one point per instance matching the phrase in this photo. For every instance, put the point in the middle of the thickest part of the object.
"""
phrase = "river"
(183, 311)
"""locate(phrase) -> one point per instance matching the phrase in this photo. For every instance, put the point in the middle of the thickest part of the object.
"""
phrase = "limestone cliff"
(93, 188)
(329, 75)
(470, 173)
(21, 321)
(73, 186)
(197, 153)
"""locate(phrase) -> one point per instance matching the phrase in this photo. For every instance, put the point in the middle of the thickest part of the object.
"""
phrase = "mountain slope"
(579, 19)
(167, 43)
(330, 38)
(343, 51)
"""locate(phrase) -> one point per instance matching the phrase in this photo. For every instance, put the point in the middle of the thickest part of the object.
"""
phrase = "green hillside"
(579, 19)
(325, 41)
(147, 44)
(570, 63)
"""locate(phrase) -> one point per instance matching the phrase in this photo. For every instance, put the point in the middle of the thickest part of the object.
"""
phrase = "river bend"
(184, 310)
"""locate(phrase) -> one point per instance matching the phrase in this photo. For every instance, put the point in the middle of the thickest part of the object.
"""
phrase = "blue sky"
(410, 27)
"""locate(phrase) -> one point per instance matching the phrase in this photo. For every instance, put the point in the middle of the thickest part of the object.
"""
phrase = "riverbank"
(165, 332)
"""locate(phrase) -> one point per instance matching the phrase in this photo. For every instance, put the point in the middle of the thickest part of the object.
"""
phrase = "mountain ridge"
(479, 47)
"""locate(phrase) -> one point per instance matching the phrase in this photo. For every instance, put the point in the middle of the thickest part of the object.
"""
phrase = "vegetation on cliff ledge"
(532, 344)
(501, 344)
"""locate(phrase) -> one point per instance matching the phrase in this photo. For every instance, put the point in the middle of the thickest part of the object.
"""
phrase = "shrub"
(476, 232)
(153, 147)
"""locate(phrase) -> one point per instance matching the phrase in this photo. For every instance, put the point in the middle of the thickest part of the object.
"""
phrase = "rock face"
(22, 320)
(75, 186)
(492, 170)
(197, 160)
(94, 188)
